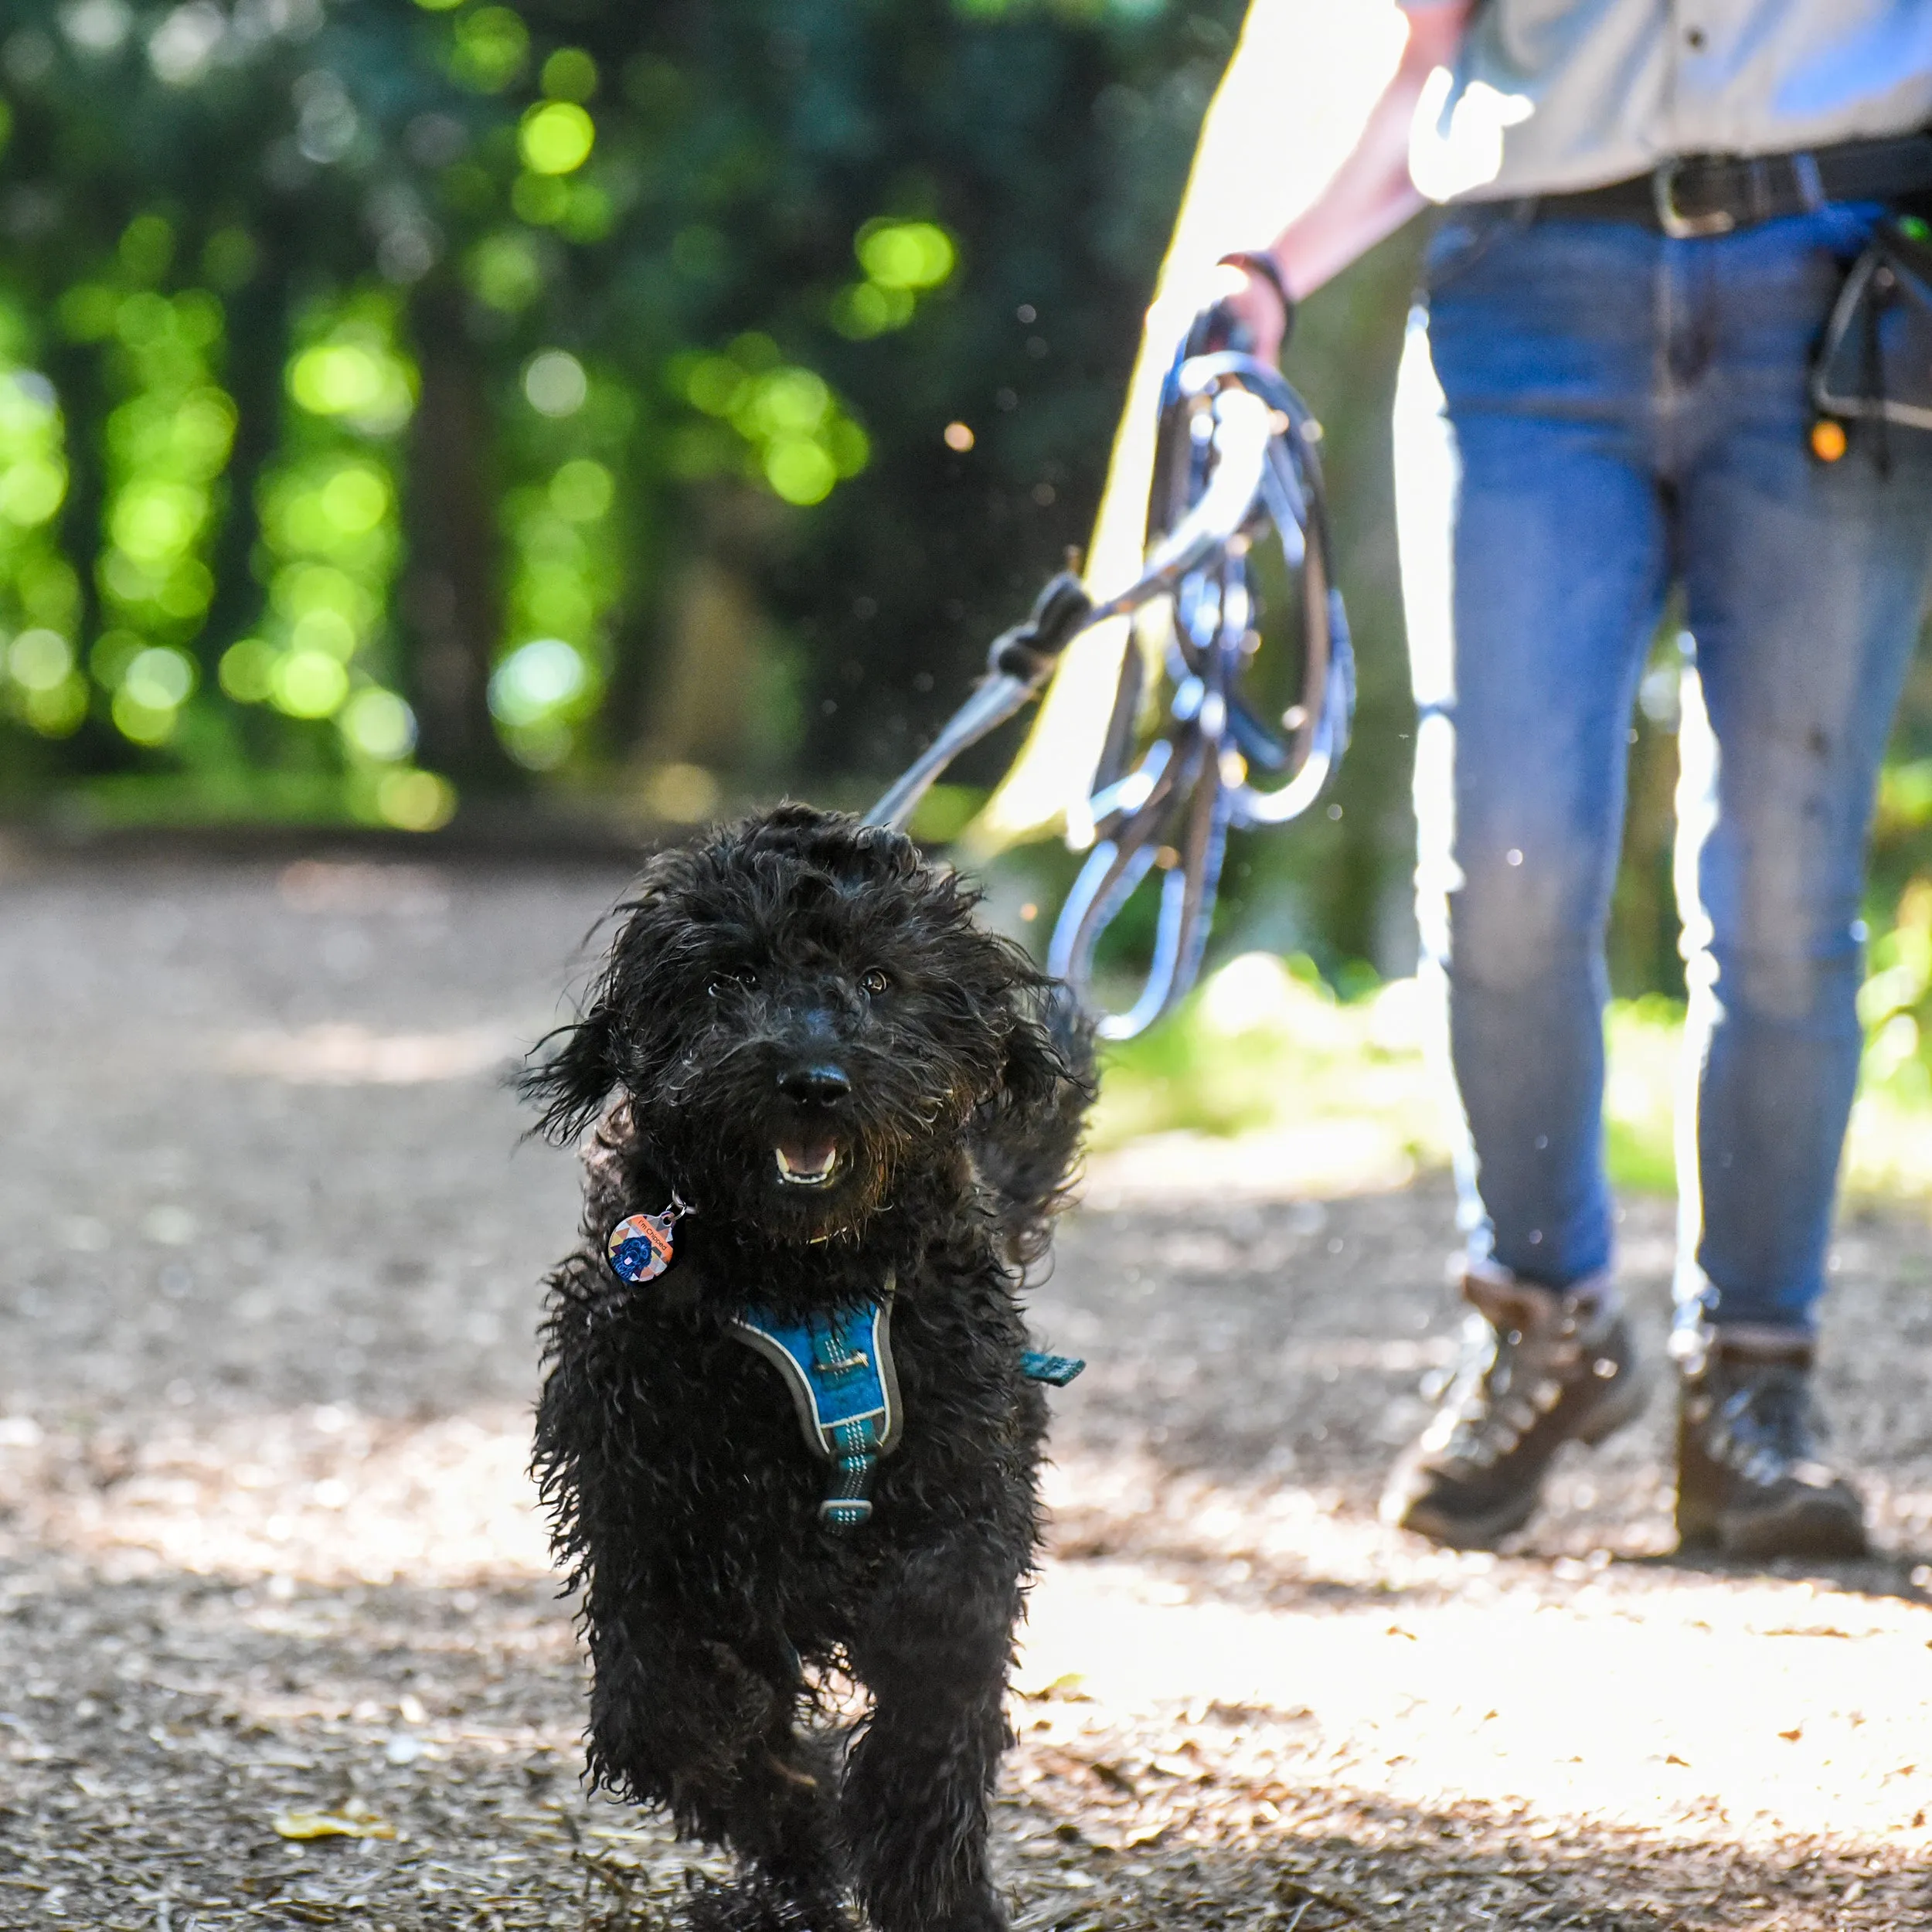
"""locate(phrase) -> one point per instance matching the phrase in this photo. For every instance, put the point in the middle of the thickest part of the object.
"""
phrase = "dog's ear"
(1048, 1063)
(571, 1084)
(1031, 1070)
(1030, 1148)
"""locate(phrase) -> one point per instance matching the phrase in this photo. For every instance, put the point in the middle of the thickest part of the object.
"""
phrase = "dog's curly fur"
(749, 967)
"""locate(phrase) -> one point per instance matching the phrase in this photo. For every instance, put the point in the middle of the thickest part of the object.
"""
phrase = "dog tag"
(640, 1247)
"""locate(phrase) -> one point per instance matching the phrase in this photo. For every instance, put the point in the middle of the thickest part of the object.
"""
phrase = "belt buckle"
(1675, 223)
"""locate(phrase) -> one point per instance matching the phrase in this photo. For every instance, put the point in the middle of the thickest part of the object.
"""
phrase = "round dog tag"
(639, 1248)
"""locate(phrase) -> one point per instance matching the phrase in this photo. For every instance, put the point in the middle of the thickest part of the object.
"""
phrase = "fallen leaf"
(1067, 1689)
(352, 1821)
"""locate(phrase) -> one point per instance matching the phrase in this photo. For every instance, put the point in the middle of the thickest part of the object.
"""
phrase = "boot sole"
(1791, 1532)
(1465, 1532)
(1814, 1530)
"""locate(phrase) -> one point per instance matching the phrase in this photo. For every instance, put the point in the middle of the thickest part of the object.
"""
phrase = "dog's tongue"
(804, 1157)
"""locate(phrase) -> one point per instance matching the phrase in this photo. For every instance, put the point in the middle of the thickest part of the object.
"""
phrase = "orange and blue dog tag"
(639, 1246)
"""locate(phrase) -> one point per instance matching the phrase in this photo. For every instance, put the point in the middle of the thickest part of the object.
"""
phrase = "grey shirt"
(1550, 95)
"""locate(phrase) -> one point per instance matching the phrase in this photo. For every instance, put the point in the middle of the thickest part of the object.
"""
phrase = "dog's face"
(801, 1010)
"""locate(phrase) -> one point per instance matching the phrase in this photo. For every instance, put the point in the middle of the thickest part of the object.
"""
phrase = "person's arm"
(1370, 196)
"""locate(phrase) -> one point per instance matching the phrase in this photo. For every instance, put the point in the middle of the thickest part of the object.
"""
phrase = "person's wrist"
(1259, 266)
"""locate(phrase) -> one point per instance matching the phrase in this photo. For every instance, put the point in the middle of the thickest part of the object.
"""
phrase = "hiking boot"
(1539, 1369)
(1751, 1479)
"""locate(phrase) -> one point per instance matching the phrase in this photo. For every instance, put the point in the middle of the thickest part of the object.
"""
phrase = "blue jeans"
(1618, 412)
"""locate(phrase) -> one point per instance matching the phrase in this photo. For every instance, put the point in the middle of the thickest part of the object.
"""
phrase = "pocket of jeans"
(1464, 236)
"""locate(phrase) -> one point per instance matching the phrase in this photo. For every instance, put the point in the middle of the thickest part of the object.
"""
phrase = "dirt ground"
(278, 1644)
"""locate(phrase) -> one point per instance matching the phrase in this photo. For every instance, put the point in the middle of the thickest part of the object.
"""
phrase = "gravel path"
(278, 1644)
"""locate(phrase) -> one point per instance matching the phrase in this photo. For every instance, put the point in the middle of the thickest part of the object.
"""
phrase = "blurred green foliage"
(1337, 1094)
(402, 404)
(406, 405)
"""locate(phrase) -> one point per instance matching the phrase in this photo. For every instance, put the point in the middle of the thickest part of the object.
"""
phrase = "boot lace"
(1768, 1425)
(1505, 1381)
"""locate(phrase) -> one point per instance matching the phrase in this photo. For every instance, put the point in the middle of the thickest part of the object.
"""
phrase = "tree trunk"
(257, 337)
(452, 593)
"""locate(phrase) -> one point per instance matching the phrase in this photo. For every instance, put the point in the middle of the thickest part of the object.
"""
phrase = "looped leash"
(1235, 458)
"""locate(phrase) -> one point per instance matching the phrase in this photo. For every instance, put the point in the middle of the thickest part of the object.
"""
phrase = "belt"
(1697, 195)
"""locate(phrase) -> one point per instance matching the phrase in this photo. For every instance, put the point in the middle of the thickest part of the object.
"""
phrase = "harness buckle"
(1675, 222)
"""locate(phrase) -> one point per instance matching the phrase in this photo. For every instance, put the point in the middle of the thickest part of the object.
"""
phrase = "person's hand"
(1256, 300)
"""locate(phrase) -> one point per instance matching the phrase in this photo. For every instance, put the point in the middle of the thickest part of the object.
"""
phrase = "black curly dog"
(802, 1031)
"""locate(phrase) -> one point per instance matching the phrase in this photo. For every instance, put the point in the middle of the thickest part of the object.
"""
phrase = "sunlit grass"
(1264, 1047)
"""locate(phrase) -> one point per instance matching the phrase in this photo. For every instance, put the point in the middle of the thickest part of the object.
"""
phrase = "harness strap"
(839, 1370)
(838, 1367)
(1057, 1370)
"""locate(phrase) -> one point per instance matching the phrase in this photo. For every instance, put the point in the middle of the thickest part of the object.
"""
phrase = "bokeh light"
(570, 74)
(537, 680)
(40, 660)
(356, 375)
(488, 49)
(796, 436)
(581, 491)
(416, 800)
(40, 682)
(377, 724)
(308, 684)
(504, 273)
(556, 138)
(160, 678)
(904, 261)
(907, 254)
(167, 441)
(555, 383)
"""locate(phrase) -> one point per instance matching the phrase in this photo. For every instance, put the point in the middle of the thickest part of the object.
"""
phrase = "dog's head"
(800, 1010)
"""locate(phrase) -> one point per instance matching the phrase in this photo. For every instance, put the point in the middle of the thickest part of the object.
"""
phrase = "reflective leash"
(1236, 457)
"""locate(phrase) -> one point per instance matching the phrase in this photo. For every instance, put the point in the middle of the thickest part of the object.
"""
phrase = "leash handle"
(1235, 458)
(1197, 780)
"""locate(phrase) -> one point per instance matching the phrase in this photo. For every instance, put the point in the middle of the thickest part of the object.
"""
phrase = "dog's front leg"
(934, 1654)
(707, 1730)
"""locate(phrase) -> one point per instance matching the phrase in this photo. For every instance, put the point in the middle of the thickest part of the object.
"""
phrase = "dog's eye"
(875, 982)
(744, 978)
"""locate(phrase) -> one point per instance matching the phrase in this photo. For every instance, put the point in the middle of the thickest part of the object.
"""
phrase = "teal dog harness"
(838, 1365)
(838, 1368)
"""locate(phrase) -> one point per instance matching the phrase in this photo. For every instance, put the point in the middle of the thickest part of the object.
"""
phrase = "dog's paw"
(758, 1905)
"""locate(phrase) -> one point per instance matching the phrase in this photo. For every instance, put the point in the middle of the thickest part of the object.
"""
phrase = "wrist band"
(1258, 262)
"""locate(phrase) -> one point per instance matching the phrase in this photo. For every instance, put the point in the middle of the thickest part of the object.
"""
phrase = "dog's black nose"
(824, 1085)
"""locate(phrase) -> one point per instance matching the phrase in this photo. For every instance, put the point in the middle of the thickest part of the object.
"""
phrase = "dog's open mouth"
(807, 1163)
